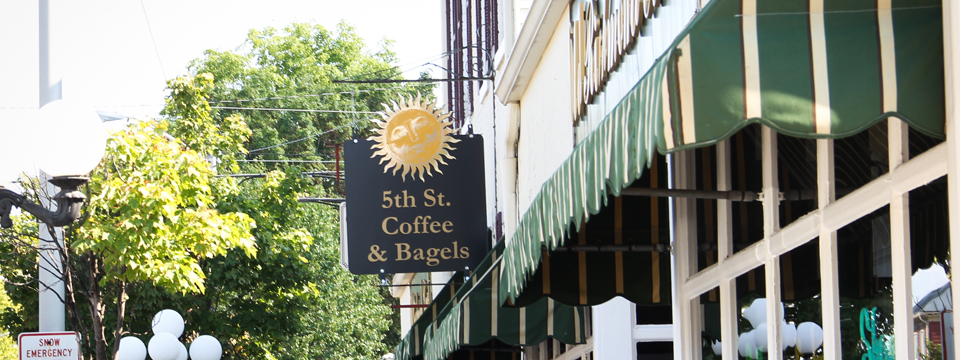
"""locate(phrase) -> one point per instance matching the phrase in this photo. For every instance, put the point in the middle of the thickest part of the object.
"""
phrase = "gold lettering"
(598, 42)
(432, 256)
(447, 230)
(383, 226)
(433, 227)
(430, 200)
(403, 251)
(465, 252)
(445, 253)
(418, 254)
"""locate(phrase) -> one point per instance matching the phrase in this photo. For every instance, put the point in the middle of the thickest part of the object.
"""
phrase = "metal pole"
(52, 314)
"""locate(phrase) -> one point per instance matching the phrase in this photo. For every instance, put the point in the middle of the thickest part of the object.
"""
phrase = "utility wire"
(297, 110)
(304, 138)
(303, 96)
(154, 40)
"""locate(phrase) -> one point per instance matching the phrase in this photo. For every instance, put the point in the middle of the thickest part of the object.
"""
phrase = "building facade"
(702, 179)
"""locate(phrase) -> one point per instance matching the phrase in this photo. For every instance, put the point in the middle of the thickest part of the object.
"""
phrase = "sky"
(110, 60)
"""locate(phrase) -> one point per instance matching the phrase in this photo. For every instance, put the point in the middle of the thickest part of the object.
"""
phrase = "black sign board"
(399, 223)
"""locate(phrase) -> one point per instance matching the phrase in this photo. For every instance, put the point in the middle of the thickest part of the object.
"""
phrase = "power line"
(154, 40)
(288, 161)
(303, 96)
(295, 110)
(304, 138)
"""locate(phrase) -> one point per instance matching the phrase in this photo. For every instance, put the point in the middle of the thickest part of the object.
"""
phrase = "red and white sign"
(49, 346)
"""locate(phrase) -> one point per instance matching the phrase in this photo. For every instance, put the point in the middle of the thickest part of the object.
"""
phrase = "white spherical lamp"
(717, 347)
(788, 334)
(760, 337)
(756, 313)
(746, 345)
(183, 352)
(168, 321)
(70, 140)
(164, 346)
(809, 337)
(131, 348)
(205, 347)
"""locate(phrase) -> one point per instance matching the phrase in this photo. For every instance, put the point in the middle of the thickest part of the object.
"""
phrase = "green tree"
(150, 220)
(295, 68)
(8, 342)
(292, 300)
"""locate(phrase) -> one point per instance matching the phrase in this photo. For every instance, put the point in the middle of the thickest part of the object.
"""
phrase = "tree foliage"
(240, 259)
(295, 68)
(151, 219)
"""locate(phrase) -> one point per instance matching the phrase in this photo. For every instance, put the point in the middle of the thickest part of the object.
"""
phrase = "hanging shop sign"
(601, 31)
(415, 195)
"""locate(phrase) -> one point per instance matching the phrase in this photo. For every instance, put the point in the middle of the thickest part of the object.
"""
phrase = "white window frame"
(890, 189)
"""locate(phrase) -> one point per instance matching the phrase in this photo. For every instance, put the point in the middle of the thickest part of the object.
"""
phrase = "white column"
(900, 258)
(686, 312)
(52, 314)
(613, 330)
(728, 285)
(951, 52)
(771, 224)
(829, 278)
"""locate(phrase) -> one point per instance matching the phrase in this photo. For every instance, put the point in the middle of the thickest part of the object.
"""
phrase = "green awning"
(475, 317)
(411, 347)
(806, 70)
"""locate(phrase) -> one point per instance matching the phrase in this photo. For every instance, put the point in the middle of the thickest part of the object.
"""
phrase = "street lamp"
(64, 141)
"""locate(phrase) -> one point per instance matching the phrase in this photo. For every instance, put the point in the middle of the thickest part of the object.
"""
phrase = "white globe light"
(717, 347)
(168, 321)
(183, 352)
(14, 156)
(760, 337)
(809, 337)
(131, 348)
(71, 139)
(746, 345)
(788, 334)
(205, 347)
(756, 313)
(164, 346)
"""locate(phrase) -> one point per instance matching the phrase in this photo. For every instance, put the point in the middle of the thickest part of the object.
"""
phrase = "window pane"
(866, 286)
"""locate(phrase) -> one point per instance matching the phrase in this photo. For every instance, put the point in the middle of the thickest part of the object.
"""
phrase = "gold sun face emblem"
(413, 136)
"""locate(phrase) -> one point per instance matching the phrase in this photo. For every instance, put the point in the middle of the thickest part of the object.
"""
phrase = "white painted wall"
(546, 134)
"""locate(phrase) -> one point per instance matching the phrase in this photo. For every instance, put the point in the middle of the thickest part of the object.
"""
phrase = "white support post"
(771, 224)
(951, 62)
(900, 258)
(687, 311)
(829, 278)
(728, 285)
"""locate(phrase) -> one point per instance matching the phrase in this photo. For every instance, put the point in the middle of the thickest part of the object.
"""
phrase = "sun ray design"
(413, 136)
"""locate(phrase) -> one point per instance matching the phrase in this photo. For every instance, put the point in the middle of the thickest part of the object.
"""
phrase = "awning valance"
(475, 317)
(411, 347)
(817, 69)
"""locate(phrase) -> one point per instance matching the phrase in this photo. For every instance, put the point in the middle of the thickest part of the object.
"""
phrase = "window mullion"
(900, 246)
(728, 285)
(771, 224)
(687, 315)
(829, 277)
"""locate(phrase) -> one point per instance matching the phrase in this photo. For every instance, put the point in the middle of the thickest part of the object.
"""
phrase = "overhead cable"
(303, 96)
(304, 138)
(295, 110)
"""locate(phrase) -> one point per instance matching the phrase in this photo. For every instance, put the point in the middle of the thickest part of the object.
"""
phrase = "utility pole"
(52, 314)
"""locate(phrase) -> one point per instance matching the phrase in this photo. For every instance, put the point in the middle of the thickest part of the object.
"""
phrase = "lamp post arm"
(69, 200)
